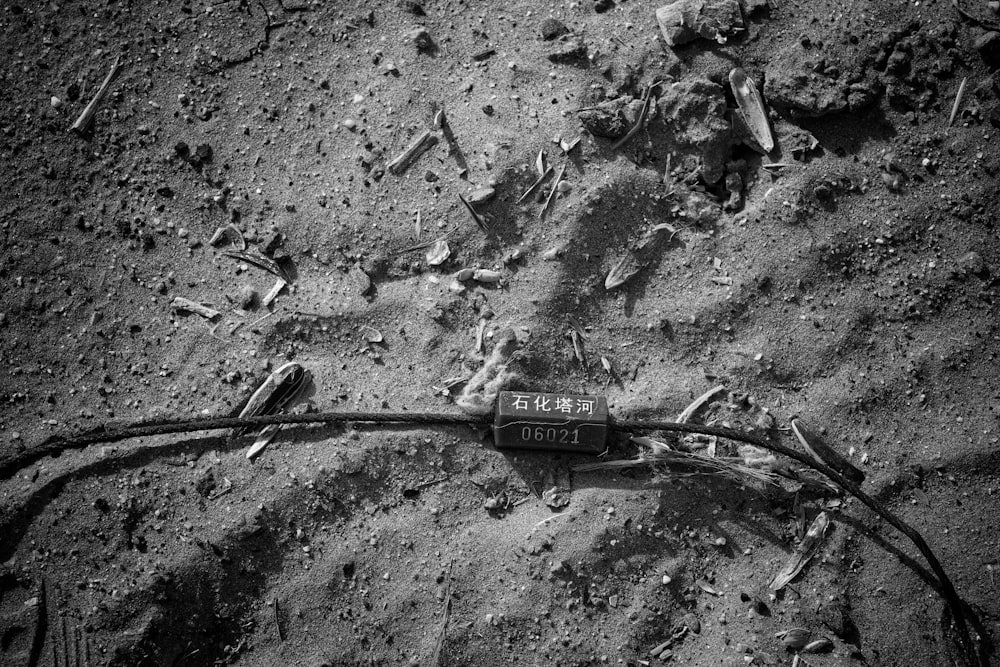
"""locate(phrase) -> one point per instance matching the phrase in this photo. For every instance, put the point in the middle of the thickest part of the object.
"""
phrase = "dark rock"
(601, 6)
(694, 112)
(412, 7)
(552, 29)
(995, 116)
(202, 154)
(422, 40)
(804, 93)
(898, 62)
(971, 262)
(860, 96)
(751, 7)
(572, 53)
(607, 119)
(685, 20)
(182, 150)
(988, 46)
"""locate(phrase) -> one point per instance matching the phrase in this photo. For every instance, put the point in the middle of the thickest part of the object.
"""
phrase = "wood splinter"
(86, 118)
(422, 144)
(187, 305)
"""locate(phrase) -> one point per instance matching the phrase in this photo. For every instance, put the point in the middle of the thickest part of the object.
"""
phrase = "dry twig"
(84, 121)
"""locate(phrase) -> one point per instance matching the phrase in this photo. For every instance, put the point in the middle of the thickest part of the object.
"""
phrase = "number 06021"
(562, 436)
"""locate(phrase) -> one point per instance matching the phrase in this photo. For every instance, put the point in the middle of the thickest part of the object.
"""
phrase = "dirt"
(855, 287)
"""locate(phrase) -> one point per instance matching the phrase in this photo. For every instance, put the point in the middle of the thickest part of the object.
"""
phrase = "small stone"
(666, 580)
(247, 297)
(988, 46)
(55, 102)
(421, 39)
(995, 116)
(414, 8)
(685, 20)
(349, 123)
(971, 262)
(553, 29)
(481, 195)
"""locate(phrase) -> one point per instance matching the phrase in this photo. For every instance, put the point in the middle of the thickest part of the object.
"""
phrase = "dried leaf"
(540, 166)
(261, 262)
(278, 390)
(794, 638)
(821, 645)
(751, 108)
(264, 438)
(707, 587)
(439, 253)
(607, 365)
(418, 225)
(803, 553)
(623, 271)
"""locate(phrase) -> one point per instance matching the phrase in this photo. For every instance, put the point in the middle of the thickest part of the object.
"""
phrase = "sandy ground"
(854, 287)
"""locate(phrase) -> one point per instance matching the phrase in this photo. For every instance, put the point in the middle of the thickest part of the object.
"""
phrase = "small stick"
(273, 294)
(480, 220)
(958, 102)
(535, 185)
(423, 143)
(180, 303)
(698, 403)
(277, 623)
(86, 118)
(641, 122)
(552, 193)
(439, 644)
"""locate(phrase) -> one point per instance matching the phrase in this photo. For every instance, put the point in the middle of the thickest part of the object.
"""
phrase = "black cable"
(116, 432)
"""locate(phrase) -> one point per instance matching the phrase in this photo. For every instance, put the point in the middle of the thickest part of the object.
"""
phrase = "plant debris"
(187, 305)
(479, 219)
(280, 390)
(751, 108)
(804, 552)
(423, 143)
(261, 262)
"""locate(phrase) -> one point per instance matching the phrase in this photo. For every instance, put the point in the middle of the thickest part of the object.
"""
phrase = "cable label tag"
(532, 420)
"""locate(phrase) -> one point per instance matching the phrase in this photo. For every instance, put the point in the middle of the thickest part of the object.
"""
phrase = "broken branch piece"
(552, 193)
(421, 144)
(181, 304)
(86, 118)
